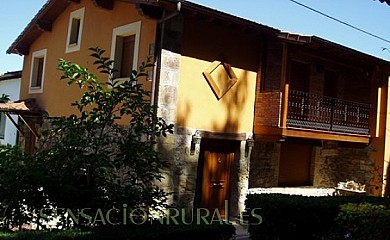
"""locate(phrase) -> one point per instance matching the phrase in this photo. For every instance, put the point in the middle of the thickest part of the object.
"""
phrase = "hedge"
(330, 217)
(142, 232)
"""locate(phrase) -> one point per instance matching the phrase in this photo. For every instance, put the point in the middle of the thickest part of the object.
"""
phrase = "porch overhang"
(22, 108)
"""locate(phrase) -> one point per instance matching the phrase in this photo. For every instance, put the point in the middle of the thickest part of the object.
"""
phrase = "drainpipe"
(156, 78)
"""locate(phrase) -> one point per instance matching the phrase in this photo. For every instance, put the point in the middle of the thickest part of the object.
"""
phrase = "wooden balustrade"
(312, 111)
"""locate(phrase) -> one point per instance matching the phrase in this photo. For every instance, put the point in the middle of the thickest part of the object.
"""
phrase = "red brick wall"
(268, 109)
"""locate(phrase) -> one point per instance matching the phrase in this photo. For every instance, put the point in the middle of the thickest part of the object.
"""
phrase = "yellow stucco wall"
(204, 42)
(199, 108)
(97, 31)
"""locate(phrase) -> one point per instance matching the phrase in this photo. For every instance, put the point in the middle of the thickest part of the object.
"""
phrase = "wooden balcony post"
(284, 83)
(285, 106)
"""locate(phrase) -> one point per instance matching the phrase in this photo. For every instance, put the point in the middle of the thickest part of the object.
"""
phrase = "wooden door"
(294, 165)
(216, 180)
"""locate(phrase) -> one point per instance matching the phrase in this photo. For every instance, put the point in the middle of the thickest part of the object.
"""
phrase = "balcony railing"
(311, 111)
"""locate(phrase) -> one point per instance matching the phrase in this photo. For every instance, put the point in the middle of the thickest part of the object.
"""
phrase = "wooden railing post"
(285, 106)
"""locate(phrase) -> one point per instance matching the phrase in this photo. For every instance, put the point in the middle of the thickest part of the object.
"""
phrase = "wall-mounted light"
(195, 142)
(149, 75)
(250, 142)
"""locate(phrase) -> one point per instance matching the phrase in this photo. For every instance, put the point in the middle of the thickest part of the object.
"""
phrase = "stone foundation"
(334, 164)
(264, 165)
(330, 164)
(294, 191)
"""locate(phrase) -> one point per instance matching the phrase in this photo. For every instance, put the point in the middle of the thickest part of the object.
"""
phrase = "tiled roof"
(11, 75)
(28, 106)
(43, 20)
(53, 8)
(329, 47)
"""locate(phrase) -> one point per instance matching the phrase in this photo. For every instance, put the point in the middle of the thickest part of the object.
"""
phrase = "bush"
(142, 232)
(299, 217)
(19, 187)
(363, 221)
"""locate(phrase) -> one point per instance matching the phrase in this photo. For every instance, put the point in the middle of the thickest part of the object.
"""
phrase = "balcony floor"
(277, 133)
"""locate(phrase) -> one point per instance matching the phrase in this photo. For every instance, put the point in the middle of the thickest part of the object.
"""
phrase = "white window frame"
(124, 31)
(78, 14)
(37, 54)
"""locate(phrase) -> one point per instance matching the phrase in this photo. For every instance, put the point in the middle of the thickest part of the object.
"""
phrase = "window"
(75, 29)
(124, 50)
(37, 71)
(2, 125)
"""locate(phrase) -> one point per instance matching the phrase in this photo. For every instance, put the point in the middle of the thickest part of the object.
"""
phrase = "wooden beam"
(29, 127)
(23, 50)
(14, 123)
(150, 11)
(285, 86)
(286, 91)
(276, 134)
(106, 4)
(220, 135)
(44, 25)
(322, 135)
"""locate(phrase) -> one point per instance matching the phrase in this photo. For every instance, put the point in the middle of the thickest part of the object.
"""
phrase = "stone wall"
(174, 147)
(331, 163)
(334, 163)
(239, 181)
(264, 165)
(180, 178)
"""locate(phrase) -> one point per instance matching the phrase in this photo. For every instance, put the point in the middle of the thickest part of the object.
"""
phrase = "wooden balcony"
(305, 115)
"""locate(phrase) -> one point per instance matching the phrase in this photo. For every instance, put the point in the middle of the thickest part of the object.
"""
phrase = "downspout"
(156, 78)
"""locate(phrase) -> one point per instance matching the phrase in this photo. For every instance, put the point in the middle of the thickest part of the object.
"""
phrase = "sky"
(368, 15)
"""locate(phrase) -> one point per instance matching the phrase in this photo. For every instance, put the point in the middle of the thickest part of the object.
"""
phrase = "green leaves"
(104, 154)
(4, 98)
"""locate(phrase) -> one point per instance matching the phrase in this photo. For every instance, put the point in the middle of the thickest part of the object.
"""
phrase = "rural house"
(10, 86)
(253, 107)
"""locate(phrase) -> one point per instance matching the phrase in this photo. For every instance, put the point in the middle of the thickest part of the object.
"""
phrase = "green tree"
(104, 155)
(4, 98)
(92, 161)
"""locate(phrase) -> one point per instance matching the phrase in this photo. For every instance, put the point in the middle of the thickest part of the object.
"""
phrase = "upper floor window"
(75, 29)
(37, 75)
(124, 48)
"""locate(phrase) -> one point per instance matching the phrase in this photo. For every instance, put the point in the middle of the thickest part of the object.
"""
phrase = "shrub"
(299, 217)
(142, 232)
(363, 221)
(20, 188)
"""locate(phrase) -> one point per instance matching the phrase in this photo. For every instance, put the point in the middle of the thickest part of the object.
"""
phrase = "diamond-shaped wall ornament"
(220, 77)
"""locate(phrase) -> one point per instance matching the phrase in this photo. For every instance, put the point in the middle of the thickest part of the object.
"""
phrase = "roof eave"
(11, 75)
(41, 22)
(305, 40)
